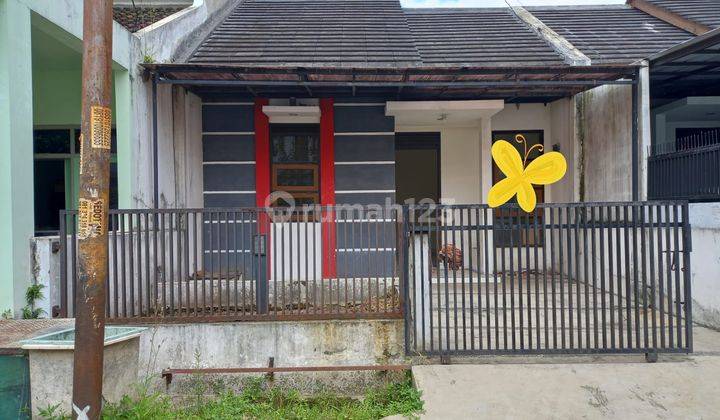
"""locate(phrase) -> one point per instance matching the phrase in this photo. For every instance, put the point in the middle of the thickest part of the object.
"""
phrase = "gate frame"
(650, 353)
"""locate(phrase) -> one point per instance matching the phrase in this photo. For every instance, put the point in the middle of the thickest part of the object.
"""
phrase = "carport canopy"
(511, 84)
(688, 69)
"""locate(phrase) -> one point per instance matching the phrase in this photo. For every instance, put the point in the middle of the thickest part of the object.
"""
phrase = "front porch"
(331, 194)
(574, 278)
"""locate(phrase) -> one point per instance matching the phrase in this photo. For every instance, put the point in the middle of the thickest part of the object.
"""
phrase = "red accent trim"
(262, 154)
(262, 174)
(327, 188)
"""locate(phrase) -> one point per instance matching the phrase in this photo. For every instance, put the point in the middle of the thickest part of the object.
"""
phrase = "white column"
(644, 124)
(486, 183)
(420, 285)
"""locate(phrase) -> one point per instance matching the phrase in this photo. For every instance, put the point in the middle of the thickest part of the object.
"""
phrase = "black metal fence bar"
(567, 278)
(703, 138)
(692, 174)
(193, 265)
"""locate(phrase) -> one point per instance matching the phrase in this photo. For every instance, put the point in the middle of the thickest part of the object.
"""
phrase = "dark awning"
(688, 69)
(521, 84)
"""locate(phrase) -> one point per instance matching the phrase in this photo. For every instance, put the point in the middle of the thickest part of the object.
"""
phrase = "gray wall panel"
(228, 148)
(365, 177)
(364, 198)
(228, 118)
(364, 148)
(362, 119)
(229, 200)
(220, 263)
(366, 235)
(231, 177)
(363, 264)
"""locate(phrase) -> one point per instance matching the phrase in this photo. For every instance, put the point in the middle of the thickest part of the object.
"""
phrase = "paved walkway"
(592, 387)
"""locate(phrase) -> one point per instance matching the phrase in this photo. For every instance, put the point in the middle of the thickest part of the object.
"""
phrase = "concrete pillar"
(486, 183)
(16, 153)
(420, 286)
(644, 128)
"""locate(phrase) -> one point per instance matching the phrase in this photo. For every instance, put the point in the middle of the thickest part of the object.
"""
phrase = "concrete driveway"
(606, 387)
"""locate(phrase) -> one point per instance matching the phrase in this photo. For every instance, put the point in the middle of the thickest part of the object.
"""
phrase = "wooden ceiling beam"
(672, 18)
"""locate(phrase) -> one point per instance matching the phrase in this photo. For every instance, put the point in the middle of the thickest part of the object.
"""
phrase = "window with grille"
(295, 162)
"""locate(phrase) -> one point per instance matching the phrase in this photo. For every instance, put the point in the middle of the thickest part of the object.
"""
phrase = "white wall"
(605, 139)
(705, 263)
(465, 160)
(562, 120)
(460, 166)
(179, 124)
(557, 120)
(459, 161)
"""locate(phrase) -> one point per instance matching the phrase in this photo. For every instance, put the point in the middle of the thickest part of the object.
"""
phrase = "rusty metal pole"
(93, 208)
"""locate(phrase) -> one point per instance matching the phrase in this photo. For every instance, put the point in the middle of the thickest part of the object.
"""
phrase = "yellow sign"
(91, 218)
(100, 127)
(520, 177)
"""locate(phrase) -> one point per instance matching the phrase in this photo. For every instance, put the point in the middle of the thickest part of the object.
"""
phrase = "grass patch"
(257, 401)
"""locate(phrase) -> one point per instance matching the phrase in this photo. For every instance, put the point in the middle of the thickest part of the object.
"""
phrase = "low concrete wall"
(251, 344)
(51, 375)
(705, 263)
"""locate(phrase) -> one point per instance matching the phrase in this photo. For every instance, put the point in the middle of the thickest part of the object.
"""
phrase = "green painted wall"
(46, 93)
(16, 153)
(57, 102)
(56, 97)
(122, 113)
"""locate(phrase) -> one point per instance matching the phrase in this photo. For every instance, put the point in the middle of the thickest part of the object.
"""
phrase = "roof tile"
(136, 18)
(476, 37)
(608, 34)
(356, 33)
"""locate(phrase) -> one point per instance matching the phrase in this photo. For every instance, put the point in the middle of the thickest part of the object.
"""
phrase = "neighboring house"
(40, 82)
(340, 102)
(138, 14)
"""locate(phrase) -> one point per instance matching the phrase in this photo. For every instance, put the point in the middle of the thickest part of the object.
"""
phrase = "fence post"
(261, 289)
(63, 313)
(687, 275)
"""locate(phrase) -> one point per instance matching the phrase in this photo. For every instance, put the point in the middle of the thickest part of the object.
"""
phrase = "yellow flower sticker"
(520, 177)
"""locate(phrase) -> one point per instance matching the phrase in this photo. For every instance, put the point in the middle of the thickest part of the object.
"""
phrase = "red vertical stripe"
(262, 173)
(262, 154)
(327, 188)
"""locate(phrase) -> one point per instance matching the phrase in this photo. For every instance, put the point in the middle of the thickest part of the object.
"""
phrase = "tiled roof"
(476, 37)
(706, 12)
(352, 33)
(380, 33)
(136, 18)
(611, 33)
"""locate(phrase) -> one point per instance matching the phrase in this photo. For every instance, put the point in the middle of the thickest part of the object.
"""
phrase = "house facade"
(381, 105)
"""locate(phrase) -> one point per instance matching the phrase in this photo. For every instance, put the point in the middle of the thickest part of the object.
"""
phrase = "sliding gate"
(569, 278)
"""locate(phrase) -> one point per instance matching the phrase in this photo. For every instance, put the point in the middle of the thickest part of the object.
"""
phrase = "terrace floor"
(536, 312)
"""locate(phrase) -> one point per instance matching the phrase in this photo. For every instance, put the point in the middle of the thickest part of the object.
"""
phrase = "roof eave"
(686, 48)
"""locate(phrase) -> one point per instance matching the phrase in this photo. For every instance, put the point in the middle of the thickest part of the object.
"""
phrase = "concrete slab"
(561, 388)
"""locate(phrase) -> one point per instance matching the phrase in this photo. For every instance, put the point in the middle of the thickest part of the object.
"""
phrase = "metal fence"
(692, 174)
(569, 278)
(194, 265)
(702, 137)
